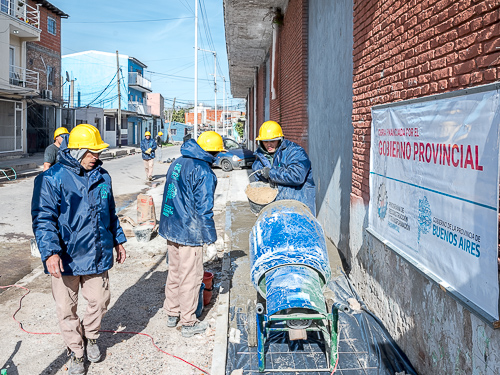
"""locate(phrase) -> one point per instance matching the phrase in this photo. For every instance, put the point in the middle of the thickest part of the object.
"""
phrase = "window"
(110, 124)
(51, 26)
(50, 75)
(229, 144)
(97, 122)
(173, 131)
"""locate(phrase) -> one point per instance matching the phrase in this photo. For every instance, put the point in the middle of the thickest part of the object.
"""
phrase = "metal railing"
(135, 78)
(22, 11)
(140, 108)
(19, 76)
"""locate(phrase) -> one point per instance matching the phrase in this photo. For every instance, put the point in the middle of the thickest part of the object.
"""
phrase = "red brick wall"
(415, 48)
(52, 42)
(189, 118)
(290, 106)
(48, 48)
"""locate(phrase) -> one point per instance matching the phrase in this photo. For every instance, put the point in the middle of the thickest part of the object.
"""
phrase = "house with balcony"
(93, 79)
(44, 57)
(19, 23)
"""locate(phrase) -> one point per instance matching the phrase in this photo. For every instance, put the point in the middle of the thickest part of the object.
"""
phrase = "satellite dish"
(67, 76)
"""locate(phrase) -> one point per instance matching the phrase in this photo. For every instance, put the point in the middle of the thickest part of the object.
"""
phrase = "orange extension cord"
(104, 330)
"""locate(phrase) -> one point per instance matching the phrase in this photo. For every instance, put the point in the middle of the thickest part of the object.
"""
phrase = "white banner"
(434, 189)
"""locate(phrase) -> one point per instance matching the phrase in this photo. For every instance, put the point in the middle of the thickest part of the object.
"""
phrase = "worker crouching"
(187, 223)
(76, 229)
(284, 164)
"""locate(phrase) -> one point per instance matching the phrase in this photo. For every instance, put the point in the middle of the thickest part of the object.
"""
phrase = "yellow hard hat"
(160, 134)
(211, 141)
(269, 130)
(60, 131)
(147, 133)
(86, 136)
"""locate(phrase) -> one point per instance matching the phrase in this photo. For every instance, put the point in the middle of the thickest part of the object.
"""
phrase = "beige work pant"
(185, 275)
(148, 166)
(95, 289)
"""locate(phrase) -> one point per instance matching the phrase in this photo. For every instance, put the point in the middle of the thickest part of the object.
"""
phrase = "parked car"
(235, 156)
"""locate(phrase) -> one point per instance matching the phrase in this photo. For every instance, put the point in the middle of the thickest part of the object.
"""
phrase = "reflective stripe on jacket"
(291, 171)
(187, 216)
(73, 214)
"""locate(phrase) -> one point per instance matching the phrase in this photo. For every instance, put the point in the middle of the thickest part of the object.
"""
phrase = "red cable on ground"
(104, 330)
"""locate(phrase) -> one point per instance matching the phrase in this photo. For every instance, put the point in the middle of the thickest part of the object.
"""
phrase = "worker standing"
(284, 164)
(148, 147)
(76, 229)
(60, 143)
(187, 223)
(159, 143)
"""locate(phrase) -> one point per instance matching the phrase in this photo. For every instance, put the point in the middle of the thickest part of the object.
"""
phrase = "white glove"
(211, 251)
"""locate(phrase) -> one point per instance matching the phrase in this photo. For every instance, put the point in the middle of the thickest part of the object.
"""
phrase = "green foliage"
(178, 115)
(239, 128)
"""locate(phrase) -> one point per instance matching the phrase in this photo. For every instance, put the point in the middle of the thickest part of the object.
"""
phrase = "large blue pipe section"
(287, 234)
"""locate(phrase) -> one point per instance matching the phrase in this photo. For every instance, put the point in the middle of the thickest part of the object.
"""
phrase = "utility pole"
(170, 122)
(223, 119)
(195, 132)
(72, 94)
(119, 127)
(215, 82)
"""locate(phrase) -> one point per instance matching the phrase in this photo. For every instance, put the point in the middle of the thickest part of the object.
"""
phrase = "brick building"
(319, 68)
(44, 57)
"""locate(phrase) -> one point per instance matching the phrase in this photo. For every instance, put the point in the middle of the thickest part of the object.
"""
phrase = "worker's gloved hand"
(264, 172)
(148, 151)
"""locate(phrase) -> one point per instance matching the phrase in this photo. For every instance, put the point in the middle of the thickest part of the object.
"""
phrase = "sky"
(161, 35)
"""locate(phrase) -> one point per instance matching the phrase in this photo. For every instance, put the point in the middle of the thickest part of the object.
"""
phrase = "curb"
(219, 355)
(20, 175)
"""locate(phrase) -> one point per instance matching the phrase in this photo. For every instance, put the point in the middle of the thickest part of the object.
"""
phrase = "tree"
(178, 115)
(239, 129)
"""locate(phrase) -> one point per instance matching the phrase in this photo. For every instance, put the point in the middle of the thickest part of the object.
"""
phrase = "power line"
(131, 21)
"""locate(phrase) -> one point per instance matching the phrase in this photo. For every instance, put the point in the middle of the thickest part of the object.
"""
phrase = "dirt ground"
(137, 295)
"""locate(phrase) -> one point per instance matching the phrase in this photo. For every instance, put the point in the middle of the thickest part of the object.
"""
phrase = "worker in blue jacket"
(148, 147)
(187, 222)
(284, 164)
(76, 230)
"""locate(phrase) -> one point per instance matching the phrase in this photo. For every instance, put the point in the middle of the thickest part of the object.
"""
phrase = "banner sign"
(434, 189)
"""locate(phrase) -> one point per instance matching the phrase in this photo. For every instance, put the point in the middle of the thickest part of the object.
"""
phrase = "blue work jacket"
(74, 216)
(291, 171)
(148, 143)
(187, 216)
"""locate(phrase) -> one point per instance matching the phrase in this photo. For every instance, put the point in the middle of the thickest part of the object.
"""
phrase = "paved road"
(128, 177)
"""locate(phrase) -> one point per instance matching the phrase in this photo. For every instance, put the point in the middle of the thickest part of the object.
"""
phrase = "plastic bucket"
(143, 232)
(199, 309)
(208, 278)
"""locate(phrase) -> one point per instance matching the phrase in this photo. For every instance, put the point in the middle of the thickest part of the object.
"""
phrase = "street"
(128, 178)
(137, 289)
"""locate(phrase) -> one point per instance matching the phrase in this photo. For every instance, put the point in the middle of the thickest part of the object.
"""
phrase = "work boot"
(76, 365)
(172, 321)
(93, 352)
(190, 331)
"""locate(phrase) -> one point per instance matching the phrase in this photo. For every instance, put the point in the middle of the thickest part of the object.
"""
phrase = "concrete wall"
(404, 50)
(93, 116)
(330, 109)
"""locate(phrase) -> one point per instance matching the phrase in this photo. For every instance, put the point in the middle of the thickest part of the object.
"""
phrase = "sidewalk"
(137, 294)
(15, 169)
